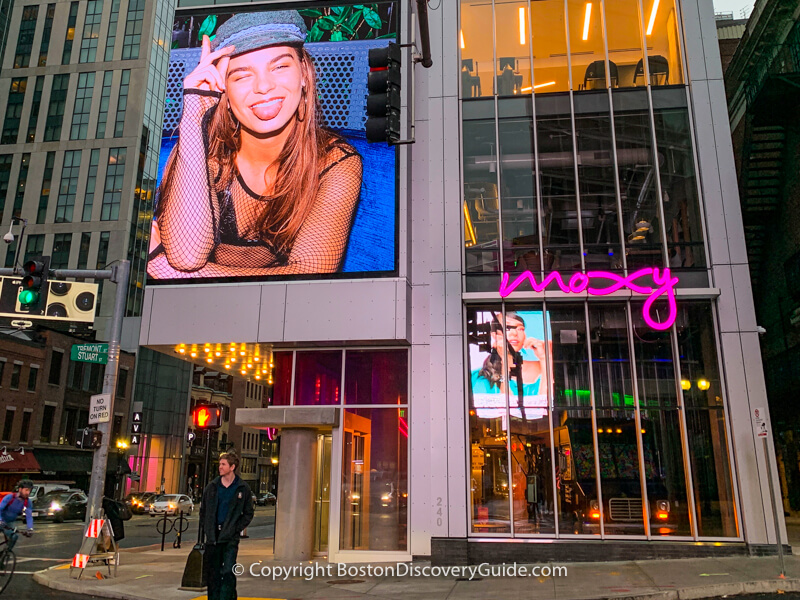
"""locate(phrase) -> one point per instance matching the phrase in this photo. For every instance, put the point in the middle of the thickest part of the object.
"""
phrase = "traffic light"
(206, 416)
(383, 100)
(88, 438)
(34, 284)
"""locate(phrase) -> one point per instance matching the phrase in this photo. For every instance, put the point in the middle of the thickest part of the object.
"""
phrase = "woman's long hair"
(492, 369)
(286, 208)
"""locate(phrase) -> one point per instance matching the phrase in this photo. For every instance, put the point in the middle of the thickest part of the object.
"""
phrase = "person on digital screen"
(490, 378)
(255, 185)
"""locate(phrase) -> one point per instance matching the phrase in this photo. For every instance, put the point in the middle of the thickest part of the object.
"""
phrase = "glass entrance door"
(322, 493)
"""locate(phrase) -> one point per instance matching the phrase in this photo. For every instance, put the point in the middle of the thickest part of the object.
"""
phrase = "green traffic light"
(27, 297)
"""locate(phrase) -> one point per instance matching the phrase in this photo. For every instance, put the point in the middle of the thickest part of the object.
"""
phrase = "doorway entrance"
(322, 493)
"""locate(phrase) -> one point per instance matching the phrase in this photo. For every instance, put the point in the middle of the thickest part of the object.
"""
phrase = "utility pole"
(98, 480)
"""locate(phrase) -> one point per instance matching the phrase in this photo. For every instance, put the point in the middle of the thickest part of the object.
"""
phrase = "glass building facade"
(579, 158)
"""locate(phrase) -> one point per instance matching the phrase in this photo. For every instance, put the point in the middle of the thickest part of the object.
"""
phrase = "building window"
(27, 28)
(317, 377)
(48, 29)
(56, 361)
(112, 194)
(68, 189)
(15, 374)
(55, 110)
(91, 183)
(66, 55)
(568, 42)
(122, 383)
(33, 375)
(102, 250)
(83, 107)
(22, 182)
(5, 178)
(113, 22)
(2, 370)
(16, 96)
(374, 479)
(61, 247)
(133, 30)
(47, 181)
(122, 103)
(91, 32)
(34, 246)
(83, 251)
(48, 416)
(8, 424)
(33, 120)
(105, 98)
(25, 430)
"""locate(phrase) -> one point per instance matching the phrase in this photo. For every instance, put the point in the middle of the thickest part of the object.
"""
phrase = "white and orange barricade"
(97, 547)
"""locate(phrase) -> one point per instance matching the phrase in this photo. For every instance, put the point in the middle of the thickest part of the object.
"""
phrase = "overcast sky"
(734, 6)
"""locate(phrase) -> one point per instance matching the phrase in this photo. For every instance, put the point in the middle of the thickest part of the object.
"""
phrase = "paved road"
(54, 544)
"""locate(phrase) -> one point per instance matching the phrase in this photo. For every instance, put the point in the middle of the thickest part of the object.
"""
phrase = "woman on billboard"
(508, 351)
(255, 185)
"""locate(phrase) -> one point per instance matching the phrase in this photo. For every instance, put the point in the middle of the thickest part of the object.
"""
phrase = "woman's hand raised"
(210, 73)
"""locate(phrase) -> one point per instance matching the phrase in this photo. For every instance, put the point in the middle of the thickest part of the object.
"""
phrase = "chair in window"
(470, 83)
(595, 76)
(659, 70)
(484, 198)
(509, 81)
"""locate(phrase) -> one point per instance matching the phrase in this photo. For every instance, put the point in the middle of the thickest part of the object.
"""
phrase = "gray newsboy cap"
(253, 31)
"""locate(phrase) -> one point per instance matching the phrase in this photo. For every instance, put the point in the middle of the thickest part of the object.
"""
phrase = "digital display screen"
(264, 170)
(509, 354)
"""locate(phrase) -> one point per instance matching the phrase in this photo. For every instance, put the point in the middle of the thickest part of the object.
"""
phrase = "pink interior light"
(580, 282)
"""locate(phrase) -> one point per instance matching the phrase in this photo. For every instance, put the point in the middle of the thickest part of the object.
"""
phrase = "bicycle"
(8, 560)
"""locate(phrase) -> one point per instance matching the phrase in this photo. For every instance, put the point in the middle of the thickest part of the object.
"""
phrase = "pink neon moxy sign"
(588, 282)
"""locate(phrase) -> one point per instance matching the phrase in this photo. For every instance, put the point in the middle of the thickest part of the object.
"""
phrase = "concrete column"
(294, 514)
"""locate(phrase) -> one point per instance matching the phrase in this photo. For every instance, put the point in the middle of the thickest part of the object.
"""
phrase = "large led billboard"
(264, 169)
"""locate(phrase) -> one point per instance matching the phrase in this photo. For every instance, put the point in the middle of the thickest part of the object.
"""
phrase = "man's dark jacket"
(240, 513)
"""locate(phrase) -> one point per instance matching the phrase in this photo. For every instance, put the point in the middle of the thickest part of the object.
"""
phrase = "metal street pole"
(774, 510)
(100, 460)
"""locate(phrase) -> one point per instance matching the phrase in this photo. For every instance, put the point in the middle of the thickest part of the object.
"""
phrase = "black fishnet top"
(200, 233)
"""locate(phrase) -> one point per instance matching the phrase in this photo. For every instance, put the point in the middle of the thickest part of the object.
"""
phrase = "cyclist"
(10, 508)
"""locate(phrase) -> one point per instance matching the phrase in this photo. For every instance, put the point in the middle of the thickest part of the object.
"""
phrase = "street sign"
(760, 422)
(91, 353)
(190, 437)
(134, 440)
(99, 408)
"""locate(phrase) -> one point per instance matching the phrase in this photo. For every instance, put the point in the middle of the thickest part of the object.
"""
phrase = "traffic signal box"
(88, 438)
(383, 99)
(48, 299)
(33, 287)
(206, 416)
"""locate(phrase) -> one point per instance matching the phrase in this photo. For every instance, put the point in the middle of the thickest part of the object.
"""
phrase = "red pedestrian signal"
(206, 416)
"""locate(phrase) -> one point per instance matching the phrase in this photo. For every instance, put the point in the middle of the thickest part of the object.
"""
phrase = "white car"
(171, 504)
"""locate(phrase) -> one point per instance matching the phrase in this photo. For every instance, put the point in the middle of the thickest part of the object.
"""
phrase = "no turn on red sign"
(100, 409)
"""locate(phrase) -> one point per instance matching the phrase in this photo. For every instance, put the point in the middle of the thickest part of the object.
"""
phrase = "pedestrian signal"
(206, 416)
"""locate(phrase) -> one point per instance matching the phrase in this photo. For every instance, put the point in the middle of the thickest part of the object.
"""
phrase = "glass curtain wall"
(577, 140)
(582, 422)
(370, 387)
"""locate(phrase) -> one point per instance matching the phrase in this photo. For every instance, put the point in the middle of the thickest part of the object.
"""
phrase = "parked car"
(268, 499)
(60, 506)
(171, 504)
(140, 502)
(40, 489)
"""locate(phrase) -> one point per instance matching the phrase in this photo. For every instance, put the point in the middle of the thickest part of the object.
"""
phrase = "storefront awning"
(18, 461)
(66, 461)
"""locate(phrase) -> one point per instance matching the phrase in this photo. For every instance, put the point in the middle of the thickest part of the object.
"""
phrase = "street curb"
(75, 588)
(773, 586)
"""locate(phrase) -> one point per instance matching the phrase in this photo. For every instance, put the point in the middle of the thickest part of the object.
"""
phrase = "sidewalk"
(148, 574)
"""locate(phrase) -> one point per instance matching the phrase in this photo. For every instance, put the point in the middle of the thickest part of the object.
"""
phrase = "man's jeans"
(218, 562)
(10, 534)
